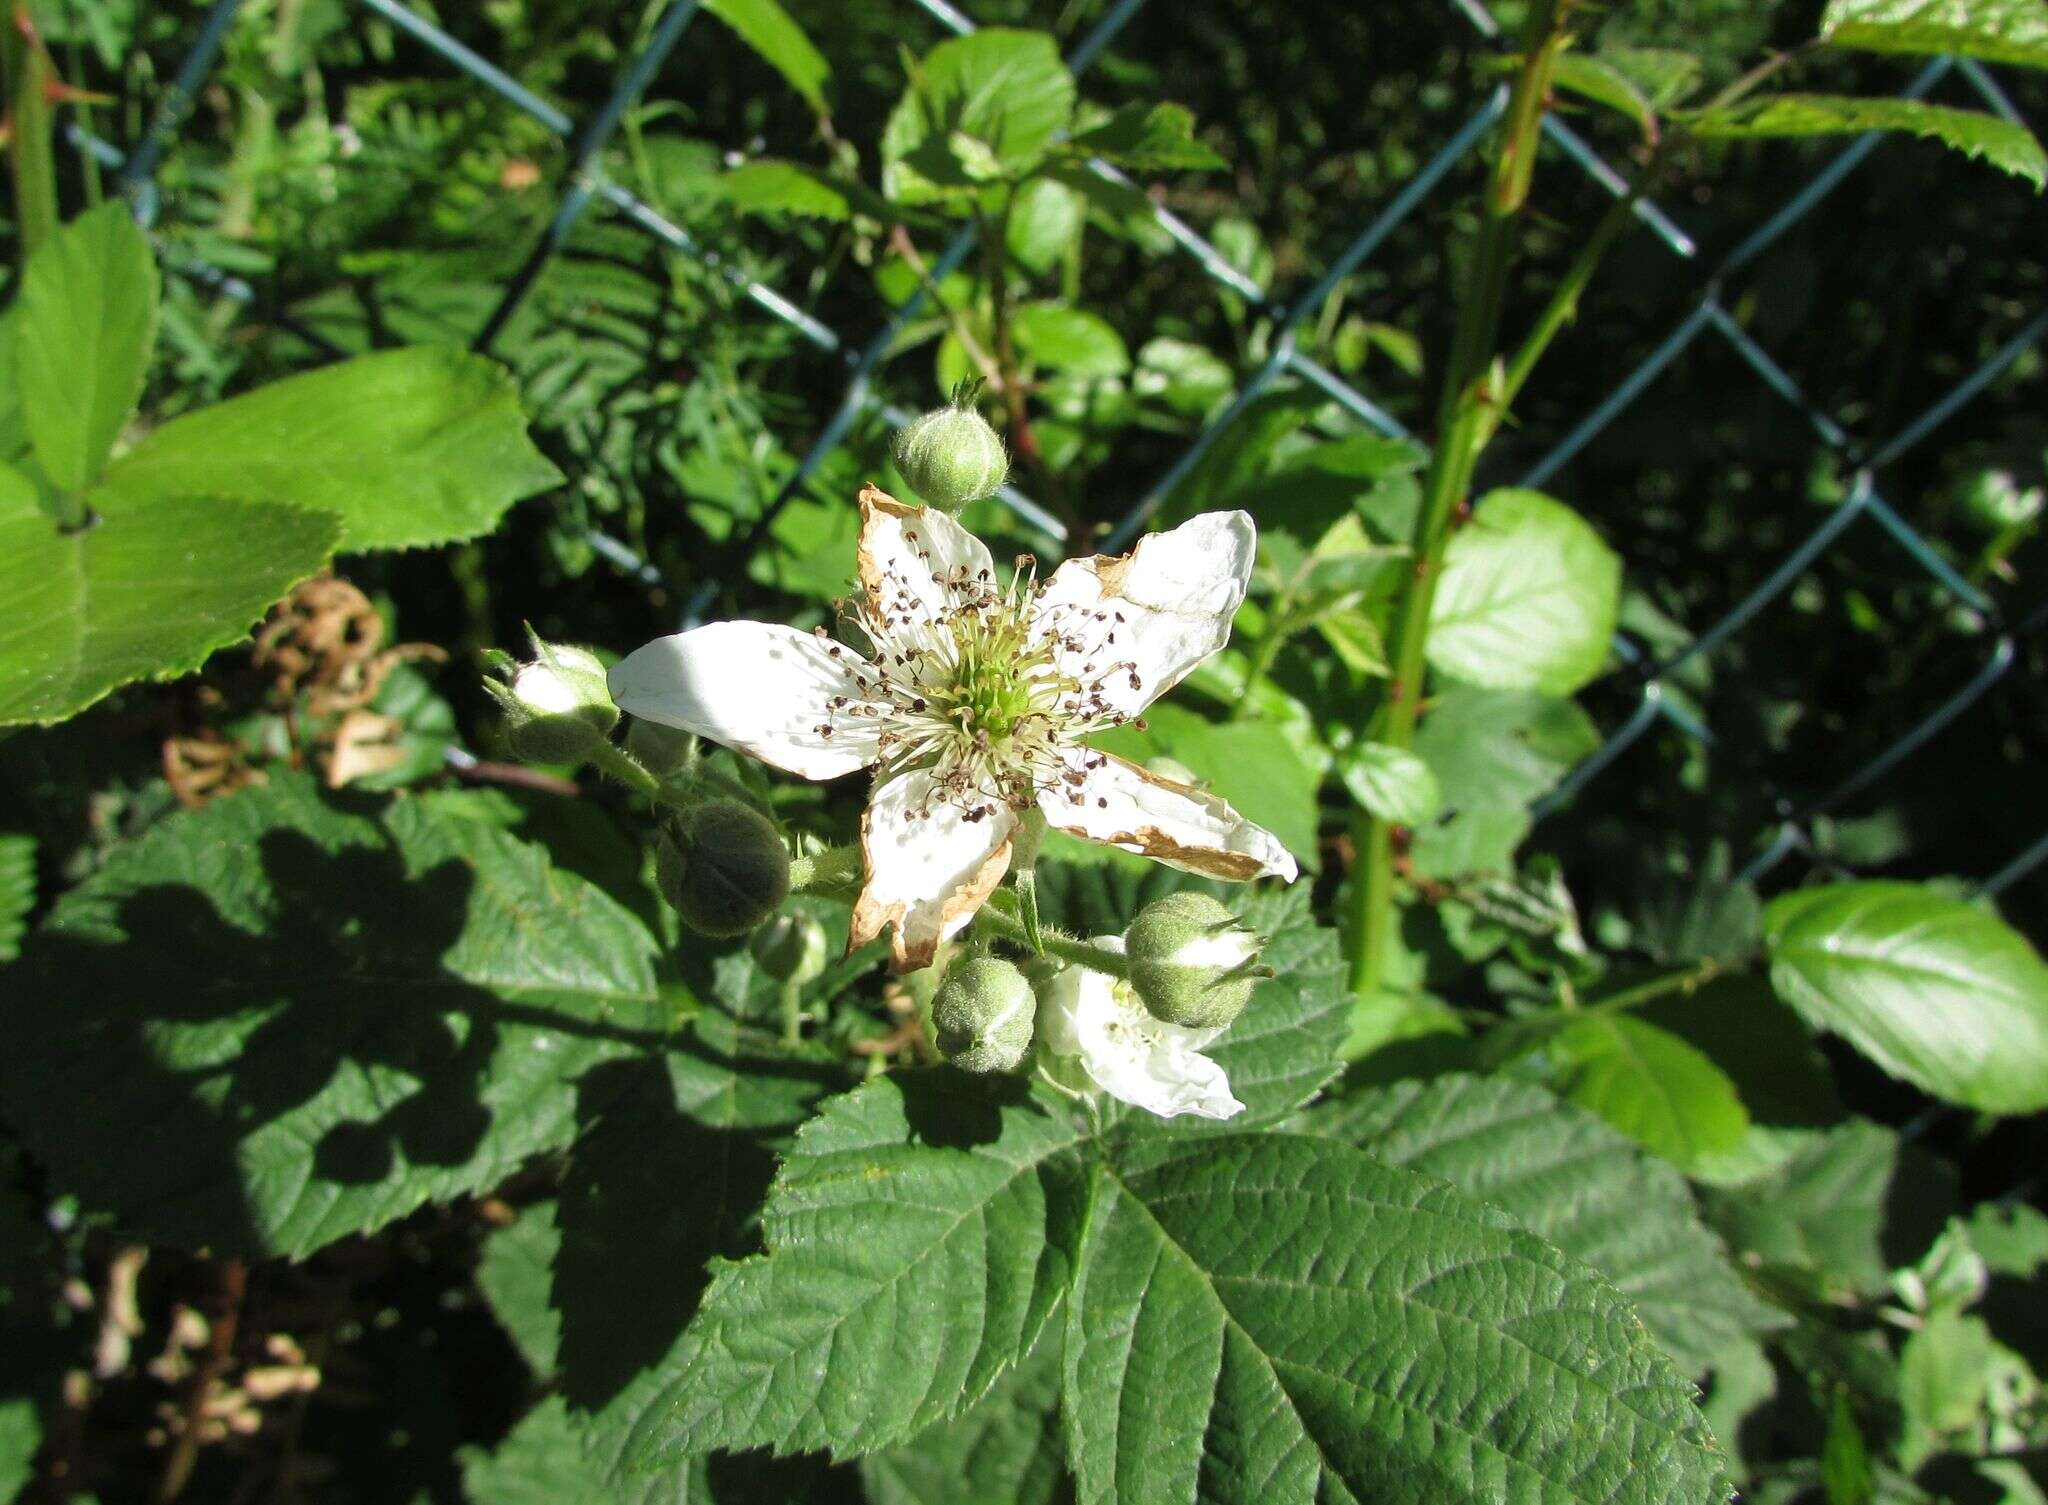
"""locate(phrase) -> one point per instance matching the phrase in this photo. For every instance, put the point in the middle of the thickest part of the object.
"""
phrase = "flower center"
(980, 687)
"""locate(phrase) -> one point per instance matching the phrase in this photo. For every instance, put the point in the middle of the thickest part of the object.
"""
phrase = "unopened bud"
(982, 1015)
(790, 948)
(558, 708)
(951, 457)
(1192, 963)
(722, 867)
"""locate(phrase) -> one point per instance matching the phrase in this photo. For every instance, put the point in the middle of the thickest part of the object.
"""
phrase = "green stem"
(25, 76)
(1465, 418)
(1687, 981)
(792, 1012)
(615, 760)
(1080, 953)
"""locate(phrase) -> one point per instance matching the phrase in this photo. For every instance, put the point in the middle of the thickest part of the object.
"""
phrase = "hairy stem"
(610, 758)
(26, 78)
(1466, 414)
(1081, 953)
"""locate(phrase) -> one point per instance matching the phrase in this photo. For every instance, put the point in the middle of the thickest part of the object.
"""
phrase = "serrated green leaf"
(1739, 1024)
(1070, 340)
(83, 331)
(1848, 1205)
(2004, 144)
(515, 1272)
(1008, 90)
(146, 591)
(542, 1462)
(1189, 378)
(1935, 990)
(17, 891)
(352, 1006)
(1998, 31)
(1392, 783)
(21, 1434)
(1844, 1458)
(670, 1179)
(1593, 78)
(1147, 138)
(1652, 1086)
(1469, 844)
(1006, 1449)
(407, 447)
(2012, 1240)
(1662, 75)
(767, 28)
(1946, 1368)
(1282, 1319)
(903, 1205)
(1501, 749)
(1697, 918)
(1045, 216)
(1528, 597)
(1564, 1174)
(13, 431)
(793, 188)
(666, 1183)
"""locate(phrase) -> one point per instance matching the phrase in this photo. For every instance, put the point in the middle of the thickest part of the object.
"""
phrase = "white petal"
(1168, 1080)
(1121, 805)
(1176, 593)
(1075, 1003)
(903, 548)
(925, 876)
(757, 686)
(1127, 1053)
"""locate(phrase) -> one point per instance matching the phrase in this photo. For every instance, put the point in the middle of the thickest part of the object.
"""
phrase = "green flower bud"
(662, 750)
(982, 1015)
(1192, 963)
(722, 867)
(790, 948)
(951, 457)
(1993, 499)
(558, 708)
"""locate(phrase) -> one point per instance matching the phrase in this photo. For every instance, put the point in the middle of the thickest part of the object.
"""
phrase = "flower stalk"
(1474, 396)
(993, 921)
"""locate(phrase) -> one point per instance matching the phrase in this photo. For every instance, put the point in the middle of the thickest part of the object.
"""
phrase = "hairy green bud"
(1192, 963)
(982, 1015)
(722, 866)
(790, 948)
(558, 708)
(951, 457)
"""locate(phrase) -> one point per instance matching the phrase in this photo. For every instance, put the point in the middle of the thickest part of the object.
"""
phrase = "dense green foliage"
(1635, 1101)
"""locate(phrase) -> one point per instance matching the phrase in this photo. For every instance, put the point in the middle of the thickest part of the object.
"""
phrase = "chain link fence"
(1648, 677)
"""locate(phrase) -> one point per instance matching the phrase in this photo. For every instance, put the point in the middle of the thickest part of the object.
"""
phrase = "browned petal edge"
(874, 501)
(908, 953)
(1150, 841)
